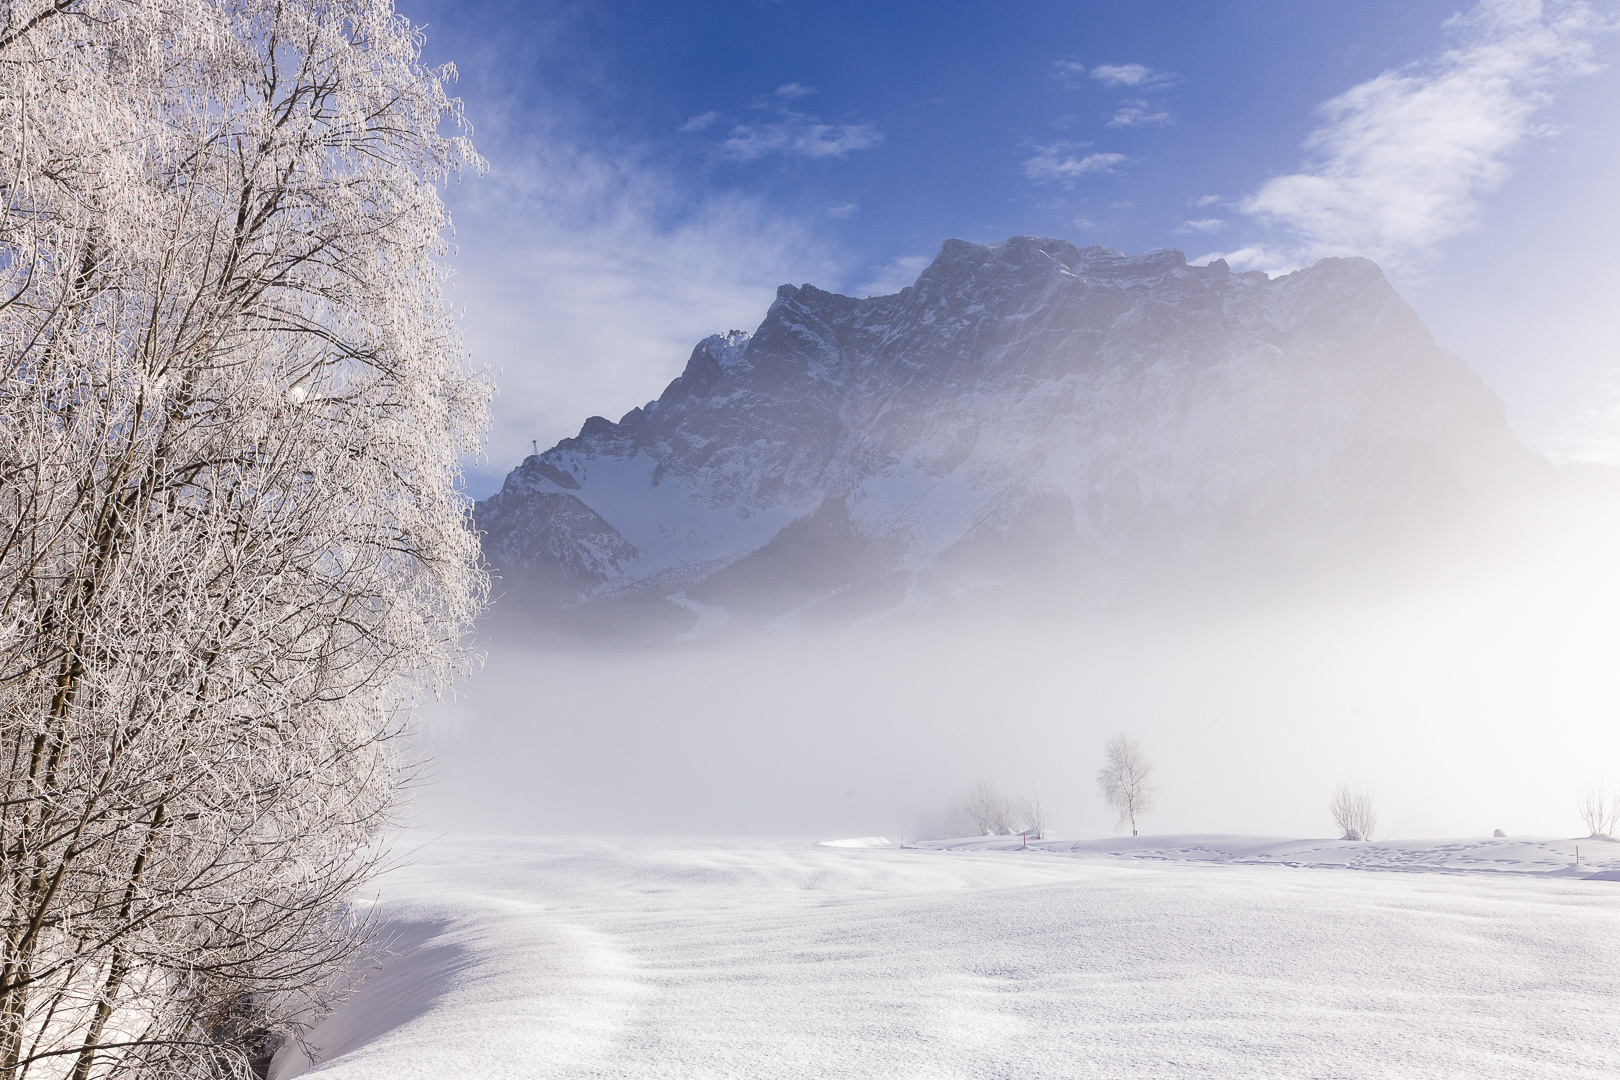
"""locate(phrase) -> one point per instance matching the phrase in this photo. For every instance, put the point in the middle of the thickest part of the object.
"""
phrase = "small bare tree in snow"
(233, 550)
(985, 811)
(1353, 813)
(1126, 781)
(1599, 809)
(1032, 814)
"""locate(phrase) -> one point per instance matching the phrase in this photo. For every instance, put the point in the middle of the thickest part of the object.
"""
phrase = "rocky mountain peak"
(1028, 403)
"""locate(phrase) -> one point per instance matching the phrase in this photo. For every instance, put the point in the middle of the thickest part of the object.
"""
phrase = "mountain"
(1028, 413)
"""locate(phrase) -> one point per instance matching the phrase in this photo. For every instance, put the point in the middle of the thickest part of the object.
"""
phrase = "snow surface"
(1185, 956)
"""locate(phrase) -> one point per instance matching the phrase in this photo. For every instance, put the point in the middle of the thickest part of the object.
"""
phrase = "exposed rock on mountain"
(1027, 411)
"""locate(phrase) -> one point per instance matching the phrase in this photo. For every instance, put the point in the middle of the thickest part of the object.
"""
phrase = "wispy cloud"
(896, 274)
(795, 134)
(847, 210)
(784, 131)
(1137, 112)
(1139, 75)
(589, 272)
(1403, 160)
(1061, 161)
(1068, 72)
(1202, 225)
(1206, 200)
(701, 122)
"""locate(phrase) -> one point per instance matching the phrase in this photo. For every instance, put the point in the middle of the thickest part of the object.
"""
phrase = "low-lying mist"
(1476, 691)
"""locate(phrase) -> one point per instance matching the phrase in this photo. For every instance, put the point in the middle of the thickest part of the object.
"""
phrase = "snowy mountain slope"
(1025, 406)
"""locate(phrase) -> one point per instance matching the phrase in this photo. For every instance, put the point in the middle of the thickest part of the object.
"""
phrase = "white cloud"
(1059, 161)
(1403, 160)
(793, 91)
(1203, 225)
(1206, 200)
(1129, 75)
(796, 134)
(699, 122)
(1273, 260)
(1068, 73)
(896, 274)
(1136, 112)
(848, 210)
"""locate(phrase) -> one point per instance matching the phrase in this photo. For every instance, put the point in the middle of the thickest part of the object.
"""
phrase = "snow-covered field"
(1186, 956)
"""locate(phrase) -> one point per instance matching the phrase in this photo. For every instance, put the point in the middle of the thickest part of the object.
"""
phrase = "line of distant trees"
(1125, 780)
(1127, 787)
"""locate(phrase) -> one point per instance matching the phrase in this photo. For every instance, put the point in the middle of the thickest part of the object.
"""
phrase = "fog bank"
(1482, 697)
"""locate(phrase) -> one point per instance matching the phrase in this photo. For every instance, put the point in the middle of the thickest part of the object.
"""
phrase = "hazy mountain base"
(822, 574)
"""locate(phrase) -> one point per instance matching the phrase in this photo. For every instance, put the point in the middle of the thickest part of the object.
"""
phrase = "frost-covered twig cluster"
(232, 549)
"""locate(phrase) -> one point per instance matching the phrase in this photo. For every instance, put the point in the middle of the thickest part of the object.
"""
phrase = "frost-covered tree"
(233, 551)
(1353, 812)
(1127, 781)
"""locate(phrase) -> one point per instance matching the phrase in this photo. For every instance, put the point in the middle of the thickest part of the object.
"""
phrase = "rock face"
(1026, 409)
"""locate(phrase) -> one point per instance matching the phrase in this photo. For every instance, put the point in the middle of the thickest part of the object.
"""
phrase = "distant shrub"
(1353, 812)
(1599, 809)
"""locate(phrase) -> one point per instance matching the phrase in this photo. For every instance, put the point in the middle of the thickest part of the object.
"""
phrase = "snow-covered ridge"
(1597, 856)
(1023, 404)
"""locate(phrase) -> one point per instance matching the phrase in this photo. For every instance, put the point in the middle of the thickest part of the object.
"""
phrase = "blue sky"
(658, 168)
